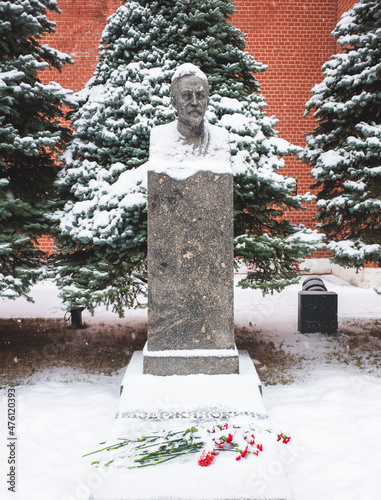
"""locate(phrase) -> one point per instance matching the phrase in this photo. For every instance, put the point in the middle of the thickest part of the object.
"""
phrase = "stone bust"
(190, 98)
(189, 144)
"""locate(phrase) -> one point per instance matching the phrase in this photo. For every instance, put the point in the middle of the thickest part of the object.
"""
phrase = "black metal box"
(317, 312)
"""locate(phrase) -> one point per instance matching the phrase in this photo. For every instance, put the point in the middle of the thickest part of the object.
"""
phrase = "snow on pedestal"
(152, 404)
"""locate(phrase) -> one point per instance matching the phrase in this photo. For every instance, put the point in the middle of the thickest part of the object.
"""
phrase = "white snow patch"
(188, 69)
(236, 122)
(330, 158)
(231, 104)
(188, 353)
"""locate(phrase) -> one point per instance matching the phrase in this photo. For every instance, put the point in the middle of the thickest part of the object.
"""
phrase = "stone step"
(154, 403)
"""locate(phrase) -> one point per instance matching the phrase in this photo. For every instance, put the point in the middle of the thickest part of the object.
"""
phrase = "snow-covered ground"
(272, 313)
(333, 415)
(333, 418)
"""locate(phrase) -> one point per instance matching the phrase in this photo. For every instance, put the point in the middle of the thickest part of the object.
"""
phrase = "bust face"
(190, 97)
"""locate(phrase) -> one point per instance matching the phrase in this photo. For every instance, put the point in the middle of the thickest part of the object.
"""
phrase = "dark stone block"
(190, 262)
(184, 365)
(317, 312)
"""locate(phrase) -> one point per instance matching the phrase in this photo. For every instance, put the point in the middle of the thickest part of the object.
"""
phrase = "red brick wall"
(291, 36)
(45, 244)
(77, 33)
(344, 6)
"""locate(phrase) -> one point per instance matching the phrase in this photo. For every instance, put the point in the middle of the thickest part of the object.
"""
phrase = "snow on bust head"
(188, 69)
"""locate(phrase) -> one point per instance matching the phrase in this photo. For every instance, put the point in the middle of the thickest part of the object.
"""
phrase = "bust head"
(190, 97)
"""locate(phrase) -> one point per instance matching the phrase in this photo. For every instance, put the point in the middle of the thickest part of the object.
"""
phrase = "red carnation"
(206, 458)
(284, 438)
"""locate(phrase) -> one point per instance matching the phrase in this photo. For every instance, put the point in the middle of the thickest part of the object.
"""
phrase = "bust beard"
(197, 137)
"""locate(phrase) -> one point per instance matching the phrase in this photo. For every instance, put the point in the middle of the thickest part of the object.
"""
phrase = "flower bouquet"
(160, 447)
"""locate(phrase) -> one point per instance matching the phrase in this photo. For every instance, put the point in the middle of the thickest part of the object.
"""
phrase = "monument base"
(191, 362)
(151, 404)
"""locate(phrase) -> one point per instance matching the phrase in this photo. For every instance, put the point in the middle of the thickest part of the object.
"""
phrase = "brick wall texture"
(343, 6)
(293, 37)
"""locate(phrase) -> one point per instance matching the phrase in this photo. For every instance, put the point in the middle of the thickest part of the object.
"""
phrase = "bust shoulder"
(170, 132)
(219, 132)
(164, 130)
(170, 153)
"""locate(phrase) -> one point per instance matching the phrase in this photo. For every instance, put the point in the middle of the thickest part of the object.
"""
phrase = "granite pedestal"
(190, 275)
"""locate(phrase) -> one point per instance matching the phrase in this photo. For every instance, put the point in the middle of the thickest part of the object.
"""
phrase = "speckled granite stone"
(186, 365)
(190, 269)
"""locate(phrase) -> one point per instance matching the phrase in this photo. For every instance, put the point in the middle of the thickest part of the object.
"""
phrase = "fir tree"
(102, 224)
(30, 137)
(345, 147)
